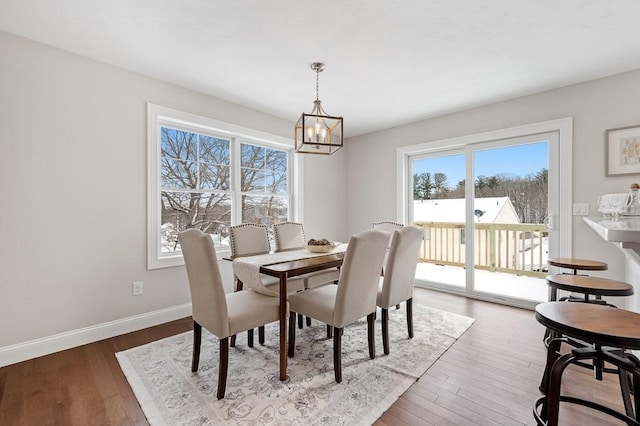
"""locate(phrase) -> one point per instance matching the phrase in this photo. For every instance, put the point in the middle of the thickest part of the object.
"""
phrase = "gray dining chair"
(251, 239)
(353, 298)
(396, 286)
(223, 315)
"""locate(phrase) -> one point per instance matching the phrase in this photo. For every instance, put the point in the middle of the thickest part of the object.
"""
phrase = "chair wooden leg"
(553, 349)
(308, 321)
(385, 331)
(250, 338)
(636, 395)
(197, 339)
(371, 334)
(337, 354)
(224, 365)
(300, 321)
(410, 317)
(329, 331)
(292, 334)
(239, 286)
(625, 378)
(261, 334)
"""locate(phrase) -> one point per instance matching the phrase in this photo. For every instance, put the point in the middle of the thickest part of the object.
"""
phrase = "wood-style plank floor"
(490, 376)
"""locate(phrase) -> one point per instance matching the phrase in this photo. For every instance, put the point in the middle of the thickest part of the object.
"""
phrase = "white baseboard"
(70, 339)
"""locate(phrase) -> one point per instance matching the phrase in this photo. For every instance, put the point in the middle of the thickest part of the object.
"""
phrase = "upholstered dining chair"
(222, 314)
(387, 226)
(396, 285)
(290, 236)
(353, 298)
(250, 239)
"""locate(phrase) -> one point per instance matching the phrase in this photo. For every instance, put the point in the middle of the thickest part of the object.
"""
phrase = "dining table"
(284, 265)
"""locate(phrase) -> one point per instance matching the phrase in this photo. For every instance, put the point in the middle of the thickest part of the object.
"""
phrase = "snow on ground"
(500, 283)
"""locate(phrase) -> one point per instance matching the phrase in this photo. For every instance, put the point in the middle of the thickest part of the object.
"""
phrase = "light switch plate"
(580, 209)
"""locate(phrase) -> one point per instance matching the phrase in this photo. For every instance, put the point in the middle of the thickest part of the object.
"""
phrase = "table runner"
(247, 268)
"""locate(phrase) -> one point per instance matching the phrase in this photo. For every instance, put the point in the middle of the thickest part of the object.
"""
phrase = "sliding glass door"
(485, 211)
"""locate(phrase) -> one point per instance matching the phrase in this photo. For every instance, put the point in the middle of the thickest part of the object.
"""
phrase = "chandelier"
(318, 132)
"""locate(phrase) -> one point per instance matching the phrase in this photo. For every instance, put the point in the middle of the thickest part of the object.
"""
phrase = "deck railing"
(516, 248)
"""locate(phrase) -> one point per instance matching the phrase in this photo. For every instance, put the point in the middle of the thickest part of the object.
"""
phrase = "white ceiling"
(388, 62)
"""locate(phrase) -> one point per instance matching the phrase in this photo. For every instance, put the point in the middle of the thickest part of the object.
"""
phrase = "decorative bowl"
(321, 249)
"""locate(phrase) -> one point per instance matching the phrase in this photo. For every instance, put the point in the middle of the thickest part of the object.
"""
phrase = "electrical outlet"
(138, 288)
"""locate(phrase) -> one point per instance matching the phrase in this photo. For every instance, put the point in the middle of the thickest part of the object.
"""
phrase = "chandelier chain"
(317, 85)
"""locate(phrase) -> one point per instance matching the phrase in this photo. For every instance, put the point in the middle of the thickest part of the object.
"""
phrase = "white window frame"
(159, 116)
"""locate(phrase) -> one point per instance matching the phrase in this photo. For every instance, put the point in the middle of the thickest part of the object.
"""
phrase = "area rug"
(170, 394)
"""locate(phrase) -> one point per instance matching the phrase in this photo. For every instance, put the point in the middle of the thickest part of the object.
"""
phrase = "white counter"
(623, 233)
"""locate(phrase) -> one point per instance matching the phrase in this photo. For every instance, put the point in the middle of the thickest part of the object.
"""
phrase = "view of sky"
(518, 160)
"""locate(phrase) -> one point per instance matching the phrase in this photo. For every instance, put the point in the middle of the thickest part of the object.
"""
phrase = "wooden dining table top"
(303, 266)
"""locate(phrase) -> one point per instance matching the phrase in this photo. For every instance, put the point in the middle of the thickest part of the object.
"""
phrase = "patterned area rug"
(170, 394)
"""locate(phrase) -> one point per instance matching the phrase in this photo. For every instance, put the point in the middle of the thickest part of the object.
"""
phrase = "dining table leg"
(283, 327)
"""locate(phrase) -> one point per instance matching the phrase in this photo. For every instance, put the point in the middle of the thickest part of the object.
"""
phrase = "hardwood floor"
(489, 376)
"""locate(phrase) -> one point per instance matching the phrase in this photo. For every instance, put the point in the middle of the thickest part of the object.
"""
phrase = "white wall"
(325, 196)
(595, 106)
(74, 190)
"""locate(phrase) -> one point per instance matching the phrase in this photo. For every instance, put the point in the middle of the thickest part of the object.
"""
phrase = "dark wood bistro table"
(294, 268)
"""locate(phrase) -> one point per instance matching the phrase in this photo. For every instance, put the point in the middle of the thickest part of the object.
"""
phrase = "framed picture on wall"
(623, 151)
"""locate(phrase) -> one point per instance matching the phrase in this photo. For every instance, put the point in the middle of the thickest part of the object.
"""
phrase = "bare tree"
(195, 176)
(264, 180)
(196, 180)
(458, 191)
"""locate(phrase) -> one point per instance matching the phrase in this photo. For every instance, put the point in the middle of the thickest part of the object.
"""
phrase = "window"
(195, 186)
(210, 175)
(264, 184)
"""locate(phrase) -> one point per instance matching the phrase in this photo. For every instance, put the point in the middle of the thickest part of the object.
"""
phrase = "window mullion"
(236, 182)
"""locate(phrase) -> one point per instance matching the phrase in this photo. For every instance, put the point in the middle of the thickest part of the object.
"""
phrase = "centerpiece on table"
(320, 246)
